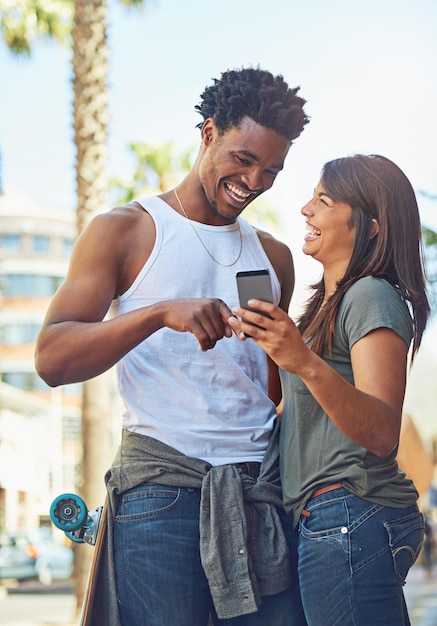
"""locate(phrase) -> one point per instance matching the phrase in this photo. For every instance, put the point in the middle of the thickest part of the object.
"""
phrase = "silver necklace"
(201, 240)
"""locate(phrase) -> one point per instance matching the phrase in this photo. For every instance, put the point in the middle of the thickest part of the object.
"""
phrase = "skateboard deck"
(86, 616)
(69, 513)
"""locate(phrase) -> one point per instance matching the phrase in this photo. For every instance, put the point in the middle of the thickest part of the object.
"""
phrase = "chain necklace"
(201, 240)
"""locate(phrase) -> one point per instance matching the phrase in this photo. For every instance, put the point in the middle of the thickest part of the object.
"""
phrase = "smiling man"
(195, 532)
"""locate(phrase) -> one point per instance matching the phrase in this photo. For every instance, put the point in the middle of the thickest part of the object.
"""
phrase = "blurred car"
(34, 555)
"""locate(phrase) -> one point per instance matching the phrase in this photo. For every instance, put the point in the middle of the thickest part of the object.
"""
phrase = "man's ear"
(375, 229)
(209, 130)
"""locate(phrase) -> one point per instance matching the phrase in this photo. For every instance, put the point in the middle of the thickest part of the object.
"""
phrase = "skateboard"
(69, 513)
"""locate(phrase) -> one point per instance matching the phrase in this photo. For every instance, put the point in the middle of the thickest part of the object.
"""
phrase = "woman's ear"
(375, 229)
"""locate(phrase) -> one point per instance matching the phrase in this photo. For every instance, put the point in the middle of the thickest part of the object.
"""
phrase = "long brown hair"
(375, 188)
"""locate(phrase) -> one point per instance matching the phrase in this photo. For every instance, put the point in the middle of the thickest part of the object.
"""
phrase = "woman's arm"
(370, 412)
(282, 260)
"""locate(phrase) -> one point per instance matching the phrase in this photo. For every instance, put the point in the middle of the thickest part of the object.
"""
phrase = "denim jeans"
(354, 557)
(160, 579)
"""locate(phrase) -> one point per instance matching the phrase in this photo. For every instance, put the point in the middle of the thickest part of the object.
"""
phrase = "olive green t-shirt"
(313, 451)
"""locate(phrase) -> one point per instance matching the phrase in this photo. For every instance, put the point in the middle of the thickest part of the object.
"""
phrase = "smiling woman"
(331, 234)
(343, 373)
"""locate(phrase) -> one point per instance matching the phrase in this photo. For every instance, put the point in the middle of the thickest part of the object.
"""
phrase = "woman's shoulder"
(372, 303)
(371, 285)
(372, 290)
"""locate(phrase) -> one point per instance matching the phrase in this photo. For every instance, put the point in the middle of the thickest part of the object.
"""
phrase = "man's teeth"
(235, 191)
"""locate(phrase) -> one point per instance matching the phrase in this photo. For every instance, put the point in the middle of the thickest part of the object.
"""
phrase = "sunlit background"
(366, 68)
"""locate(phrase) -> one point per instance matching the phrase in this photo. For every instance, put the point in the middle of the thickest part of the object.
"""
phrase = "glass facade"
(41, 243)
(17, 334)
(10, 243)
(30, 285)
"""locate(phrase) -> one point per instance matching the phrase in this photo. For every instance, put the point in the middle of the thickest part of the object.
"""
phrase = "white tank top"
(210, 405)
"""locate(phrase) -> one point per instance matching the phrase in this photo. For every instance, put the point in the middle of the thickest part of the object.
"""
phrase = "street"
(32, 604)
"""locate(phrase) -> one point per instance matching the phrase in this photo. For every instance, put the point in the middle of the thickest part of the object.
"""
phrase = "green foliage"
(430, 241)
(429, 237)
(136, 4)
(22, 22)
(261, 215)
(157, 168)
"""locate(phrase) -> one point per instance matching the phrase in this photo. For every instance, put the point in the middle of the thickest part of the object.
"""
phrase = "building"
(39, 426)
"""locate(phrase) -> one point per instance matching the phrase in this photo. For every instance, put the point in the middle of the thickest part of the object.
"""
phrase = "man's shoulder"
(119, 231)
(131, 210)
(120, 218)
(270, 242)
(280, 257)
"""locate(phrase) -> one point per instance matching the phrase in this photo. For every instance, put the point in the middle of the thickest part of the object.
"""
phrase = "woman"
(343, 371)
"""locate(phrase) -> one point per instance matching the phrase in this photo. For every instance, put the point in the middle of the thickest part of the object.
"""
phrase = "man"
(193, 530)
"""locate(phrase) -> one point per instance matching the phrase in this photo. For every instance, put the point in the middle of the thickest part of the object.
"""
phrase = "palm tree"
(90, 122)
(157, 168)
(21, 23)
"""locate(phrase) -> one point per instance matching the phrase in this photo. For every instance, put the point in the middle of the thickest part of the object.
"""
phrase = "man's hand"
(206, 318)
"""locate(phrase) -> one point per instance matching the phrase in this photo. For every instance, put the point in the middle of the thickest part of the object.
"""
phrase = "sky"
(367, 69)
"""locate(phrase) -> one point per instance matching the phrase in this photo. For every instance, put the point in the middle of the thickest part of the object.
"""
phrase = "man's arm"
(76, 342)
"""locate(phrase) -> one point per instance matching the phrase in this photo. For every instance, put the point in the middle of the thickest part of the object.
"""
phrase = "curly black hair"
(254, 93)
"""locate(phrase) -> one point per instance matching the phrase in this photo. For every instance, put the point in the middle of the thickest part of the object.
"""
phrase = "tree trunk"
(90, 78)
(90, 107)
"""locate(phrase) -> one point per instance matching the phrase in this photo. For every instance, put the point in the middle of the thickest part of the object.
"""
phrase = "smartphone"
(254, 284)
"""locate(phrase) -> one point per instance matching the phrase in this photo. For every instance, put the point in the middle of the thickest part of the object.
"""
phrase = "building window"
(30, 285)
(28, 381)
(10, 243)
(41, 243)
(71, 427)
(19, 334)
(67, 247)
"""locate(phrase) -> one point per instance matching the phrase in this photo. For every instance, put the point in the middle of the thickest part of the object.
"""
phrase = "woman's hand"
(274, 331)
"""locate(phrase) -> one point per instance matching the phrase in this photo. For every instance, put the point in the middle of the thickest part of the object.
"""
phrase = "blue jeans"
(160, 579)
(354, 557)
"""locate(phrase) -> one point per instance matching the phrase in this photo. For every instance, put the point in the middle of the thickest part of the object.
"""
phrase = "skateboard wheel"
(68, 512)
(73, 537)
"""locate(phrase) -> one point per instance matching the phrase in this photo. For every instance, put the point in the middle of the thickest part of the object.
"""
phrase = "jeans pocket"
(147, 501)
(405, 539)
